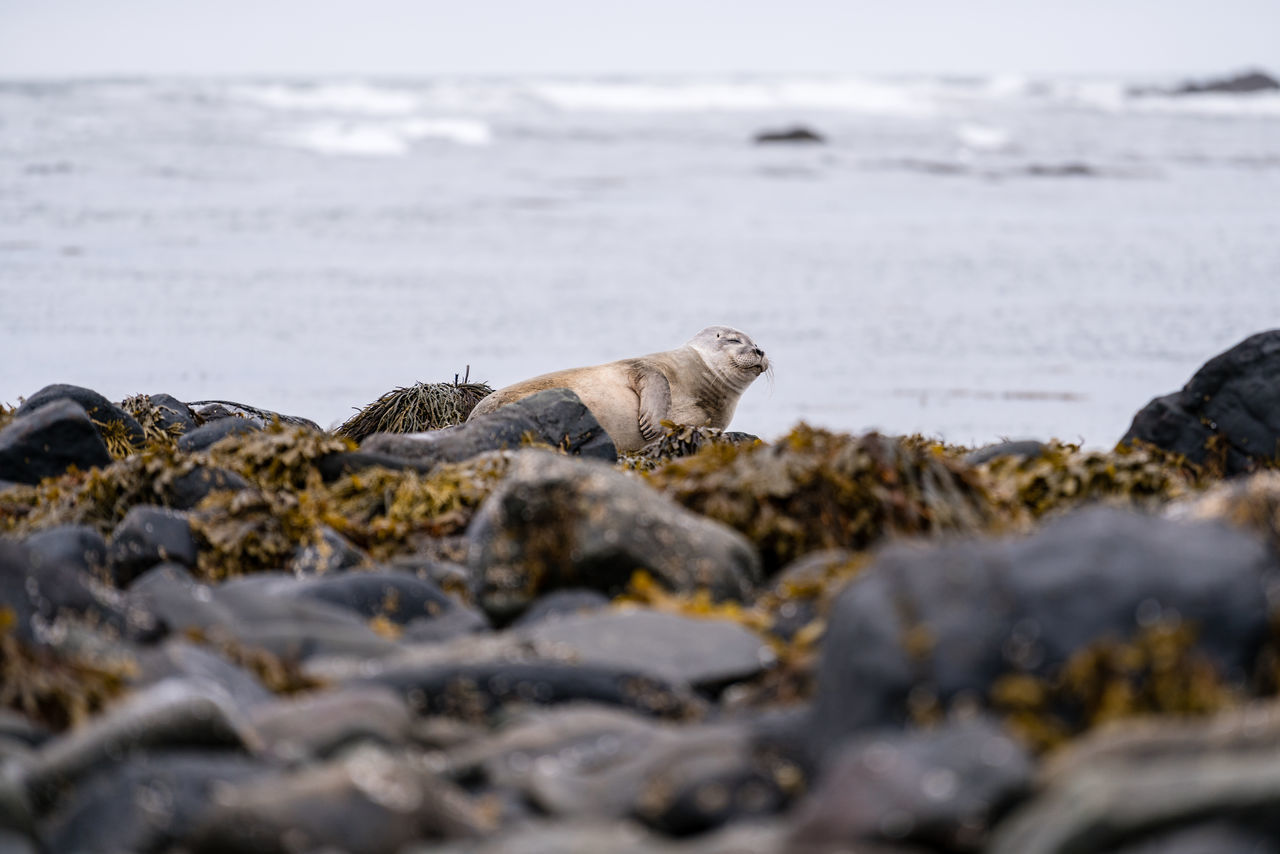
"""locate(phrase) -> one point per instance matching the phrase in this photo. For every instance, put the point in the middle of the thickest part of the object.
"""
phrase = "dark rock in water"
(188, 490)
(173, 713)
(1228, 414)
(97, 407)
(173, 414)
(1072, 169)
(36, 588)
(333, 554)
(323, 724)
(1024, 449)
(148, 536)
(558, 522)
(555, 417)
(214, 410)
(180, 659)
(703, 653)
(1140, 779)
(940, 788)
(44, 442)
(145, 803)
(77, 546)
(1250, 81)
(211, 433)
(562, 603)
(799, 133)
(951, 619)
(366, 803)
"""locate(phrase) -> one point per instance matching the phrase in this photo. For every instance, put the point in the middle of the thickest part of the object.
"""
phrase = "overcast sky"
(414, 37)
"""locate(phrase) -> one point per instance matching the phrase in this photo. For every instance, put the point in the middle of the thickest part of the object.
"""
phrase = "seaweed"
(152, 420)
(1252, 503)
(415, 408)
(278, 456)
(252, 530)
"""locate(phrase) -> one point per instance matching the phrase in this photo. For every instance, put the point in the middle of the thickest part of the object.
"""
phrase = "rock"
(1145, 777)
(1228, 414)
(1023, 449)
(44, 442)
(704, 653)
(798, 133)
(148, 536)
(173, 713)
(562, 603)
(216, 410)
(1249, 81)
(173, 415)
(369, 802)
(321, 725)
(594, 835)
(940, 788)
(453, 623)
(396, 597)
(202, 438)
(558, 522)
(97, 407)
(77, 546)
(555, 417)
(188, 490)
(39, 590)
(180, 659)
(333, 554)
(162, 576)
(146, 803)
(950, 620)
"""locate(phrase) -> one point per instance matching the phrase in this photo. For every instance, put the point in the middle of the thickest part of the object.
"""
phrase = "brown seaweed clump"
(816, 490)
(677, 440)
(279, 456)
(1158, 672)
(1064, 476)
(252, 530)
(415, 408)
(52, 690)
(152, 420)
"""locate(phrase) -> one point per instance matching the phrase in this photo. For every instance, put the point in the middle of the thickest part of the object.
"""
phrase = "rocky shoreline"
(224, 629)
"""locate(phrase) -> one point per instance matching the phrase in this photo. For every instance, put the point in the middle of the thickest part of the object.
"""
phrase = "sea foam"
(384, 139)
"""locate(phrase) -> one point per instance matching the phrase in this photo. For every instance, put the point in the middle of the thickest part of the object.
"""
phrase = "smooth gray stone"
(321, 724)
(79, 546)
(180, 659)
(46, 441)
(95, 405)
(204, 437)
(147, 536)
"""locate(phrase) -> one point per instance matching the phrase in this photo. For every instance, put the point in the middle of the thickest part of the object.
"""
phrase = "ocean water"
(971, 259)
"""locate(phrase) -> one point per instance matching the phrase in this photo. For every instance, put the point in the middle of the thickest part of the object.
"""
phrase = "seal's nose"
(759, 352)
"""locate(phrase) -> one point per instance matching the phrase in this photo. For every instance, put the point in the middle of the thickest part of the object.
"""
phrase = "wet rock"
(1227, 415)
(555, 417)
(173, 415)
(212, 432)
(939, 787)
(146, 803)
(188, 490)
(562, 603)
(948, 621)
(38, 590)
(97, 407)
(217, 410)
(334, 553)
(1249, 81)
(44, 442)
(322, 724)
(1144, 777)
(180, 659)
(77, 546)
(799, 133)
(148, 536)
(171, 714)
(558, 522)
(704, 653)
(366, 803)
(1022, 449)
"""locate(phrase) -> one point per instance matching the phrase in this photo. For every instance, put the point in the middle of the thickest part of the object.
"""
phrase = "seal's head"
(730, 351)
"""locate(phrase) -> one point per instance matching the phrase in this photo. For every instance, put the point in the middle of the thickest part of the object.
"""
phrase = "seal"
(698, 383)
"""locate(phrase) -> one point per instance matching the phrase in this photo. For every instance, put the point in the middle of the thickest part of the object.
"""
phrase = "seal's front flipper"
(655, 402)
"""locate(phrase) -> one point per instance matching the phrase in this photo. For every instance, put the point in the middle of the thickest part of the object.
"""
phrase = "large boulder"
(947, 622)
(1228, 414)
(559, 522)
(97, 407)
(38, 589)
(44, 442)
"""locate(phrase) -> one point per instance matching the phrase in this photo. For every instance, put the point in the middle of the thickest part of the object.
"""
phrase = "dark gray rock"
(559, 522)
(1025, 449)
(188, 490)
(986, 608)
(144, 804)
(369, 802)
(1249, 81)
(44, 442)
(704, 653)
(77, 546)
(180, 659)
(562, 603)
(395, 596)
(1233, 400)
(940, 788)
(39, 590)
(162, 576)
(213, 410)
(333, 554)
(173, 415)
(320, 725)
(212, 432)
(454, 623)
(94, 405)
(555, 417)
(795, 134)
(148, 536)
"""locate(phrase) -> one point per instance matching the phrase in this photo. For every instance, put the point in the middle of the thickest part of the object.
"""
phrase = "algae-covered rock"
(815, 490)
(44, 442)
(558, 522)
(163, 418)
(122, 433)
(209, 434)
(682, 440)
(416, 408)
